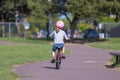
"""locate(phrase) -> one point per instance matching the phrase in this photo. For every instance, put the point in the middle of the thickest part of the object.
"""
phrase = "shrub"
(84, 26)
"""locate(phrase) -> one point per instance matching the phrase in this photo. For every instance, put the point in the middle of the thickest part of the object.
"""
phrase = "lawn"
(31, 50)
(110, 43)
(28, 50)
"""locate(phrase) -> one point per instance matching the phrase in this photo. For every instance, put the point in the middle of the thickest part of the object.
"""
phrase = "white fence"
(11, 29)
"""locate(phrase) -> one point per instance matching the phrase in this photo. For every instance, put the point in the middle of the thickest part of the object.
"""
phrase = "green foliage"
(106, 19)
(39, 8)
(84, 26)
(35, 27)
(107, 8)
(36, 8)
(80, 8)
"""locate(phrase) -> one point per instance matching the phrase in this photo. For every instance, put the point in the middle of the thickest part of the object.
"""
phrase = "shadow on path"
(50, 67)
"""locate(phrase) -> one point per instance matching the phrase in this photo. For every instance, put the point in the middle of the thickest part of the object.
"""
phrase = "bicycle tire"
(58, 61)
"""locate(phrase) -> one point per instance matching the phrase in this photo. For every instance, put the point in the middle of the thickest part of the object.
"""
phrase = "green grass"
(28, 40)
(111, 43)
(10, 55)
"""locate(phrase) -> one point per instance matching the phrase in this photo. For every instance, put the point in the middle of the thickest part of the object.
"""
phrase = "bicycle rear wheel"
(58, 61)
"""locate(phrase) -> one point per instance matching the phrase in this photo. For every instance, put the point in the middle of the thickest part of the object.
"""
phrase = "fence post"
(3, 29)
(9, 29)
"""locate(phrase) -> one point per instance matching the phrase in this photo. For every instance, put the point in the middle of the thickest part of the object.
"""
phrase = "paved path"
(85, 63)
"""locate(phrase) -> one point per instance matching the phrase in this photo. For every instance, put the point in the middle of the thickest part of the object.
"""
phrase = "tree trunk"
(73, 27)
(2, 19)
(47, 26)
(117, 18)
(73, 24)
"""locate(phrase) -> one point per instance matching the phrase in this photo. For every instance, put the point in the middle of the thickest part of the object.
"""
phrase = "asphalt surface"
(85, 63)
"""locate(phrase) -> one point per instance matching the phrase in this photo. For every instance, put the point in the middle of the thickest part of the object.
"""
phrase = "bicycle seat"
(60, 47)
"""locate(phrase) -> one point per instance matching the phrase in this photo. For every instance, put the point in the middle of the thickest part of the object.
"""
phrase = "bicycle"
(58, 57)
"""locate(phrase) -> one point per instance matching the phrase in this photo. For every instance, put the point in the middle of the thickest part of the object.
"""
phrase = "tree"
(6, 9)
(80, 9)
(17, 10)
(110, 7)
(34, 8)
(116, 9)
(83, 9)
(38, 8)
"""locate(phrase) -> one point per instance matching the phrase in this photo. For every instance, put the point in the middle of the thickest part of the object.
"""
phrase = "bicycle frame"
(58, 53)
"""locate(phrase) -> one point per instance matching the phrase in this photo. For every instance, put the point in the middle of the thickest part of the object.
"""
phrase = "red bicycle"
(58, 57)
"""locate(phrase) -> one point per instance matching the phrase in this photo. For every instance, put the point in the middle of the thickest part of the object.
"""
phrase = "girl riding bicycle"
(59, 36)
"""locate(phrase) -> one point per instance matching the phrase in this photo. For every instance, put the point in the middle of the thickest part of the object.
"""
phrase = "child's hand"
(68, 39)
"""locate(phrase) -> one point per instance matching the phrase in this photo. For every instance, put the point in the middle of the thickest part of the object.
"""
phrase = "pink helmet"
(60, 24)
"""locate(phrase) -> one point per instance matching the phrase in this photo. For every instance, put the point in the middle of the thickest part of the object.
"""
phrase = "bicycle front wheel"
(58, 61)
